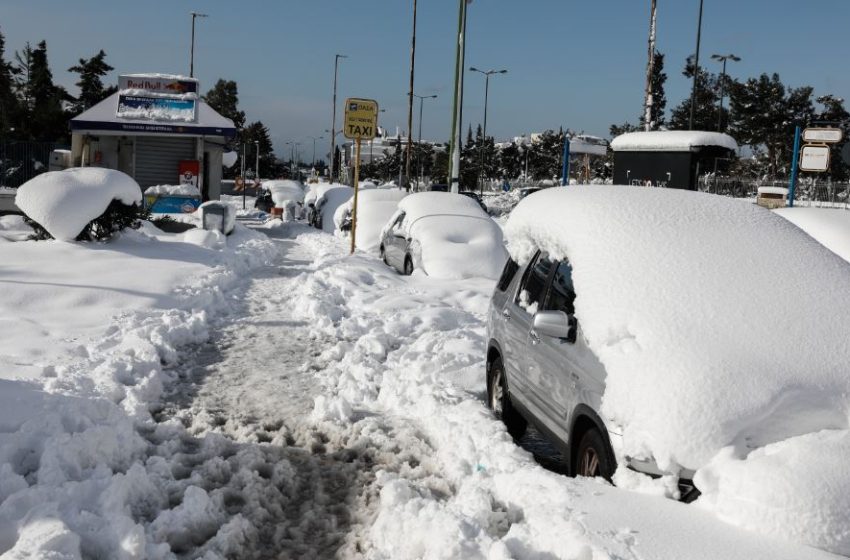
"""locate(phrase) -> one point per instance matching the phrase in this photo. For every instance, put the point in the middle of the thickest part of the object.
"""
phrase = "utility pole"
(257, 172)
(454, 144)
(723, 58)
(192, 48)
(333, 122)
(410, 102)
(650, 67)
(487, 75)
(422, 99)
(696, 70)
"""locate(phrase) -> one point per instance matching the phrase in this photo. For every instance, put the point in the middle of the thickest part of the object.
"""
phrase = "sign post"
(361, 121)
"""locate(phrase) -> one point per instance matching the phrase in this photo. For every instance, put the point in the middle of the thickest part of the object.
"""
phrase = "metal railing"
(21, 161)
(808, 192)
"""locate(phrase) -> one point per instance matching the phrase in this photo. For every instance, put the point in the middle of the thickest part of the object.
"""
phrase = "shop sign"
(158, 84)
(156, 108)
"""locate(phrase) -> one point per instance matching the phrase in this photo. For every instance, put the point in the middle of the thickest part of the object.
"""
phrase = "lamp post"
(333, 122)
(297, 160)
(257, 172)
(723, 58)
(487, 75)
(410, 103)
(192, 48)
(696, 70)
(314, 138)
(421, 99)
(457, 111)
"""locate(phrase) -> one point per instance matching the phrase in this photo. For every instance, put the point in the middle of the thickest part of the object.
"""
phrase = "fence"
(808, 192)
(21, 161)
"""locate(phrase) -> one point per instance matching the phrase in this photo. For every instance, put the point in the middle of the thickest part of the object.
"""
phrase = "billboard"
(156, 108)
(158, 83)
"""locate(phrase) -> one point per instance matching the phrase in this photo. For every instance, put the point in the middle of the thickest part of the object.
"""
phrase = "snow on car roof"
(830, 226)
(420, 205)
(671, 141)
(718, 322)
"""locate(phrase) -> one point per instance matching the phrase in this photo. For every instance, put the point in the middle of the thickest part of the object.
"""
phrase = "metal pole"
(244, 193)
(454, 144)
(419, 144)
(484, 135)
(720, 111)
(192, 50)
(257, 170)
(794, 166)
(696, 70)
(410, 100)
(333, 121)
(356, 190)
(565, 171)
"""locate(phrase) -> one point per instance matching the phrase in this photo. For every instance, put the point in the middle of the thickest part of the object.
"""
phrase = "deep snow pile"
(285, 191)
(63, 202)
(671, 141)
(676, 294)
(329, 201)
(87, 331)
(830, 226)
(176, 190)
(451, 236)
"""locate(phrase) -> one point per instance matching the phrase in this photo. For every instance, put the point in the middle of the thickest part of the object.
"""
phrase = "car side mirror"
(556, 324)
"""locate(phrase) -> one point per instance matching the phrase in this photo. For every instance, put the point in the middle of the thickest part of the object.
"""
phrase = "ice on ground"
(64, 202)
(830, 226)
(451, 236)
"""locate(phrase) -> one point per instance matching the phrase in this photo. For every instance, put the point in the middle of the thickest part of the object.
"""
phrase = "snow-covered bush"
(85, 204)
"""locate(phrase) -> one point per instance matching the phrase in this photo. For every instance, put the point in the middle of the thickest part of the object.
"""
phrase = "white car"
(446, 235)
(374, 208)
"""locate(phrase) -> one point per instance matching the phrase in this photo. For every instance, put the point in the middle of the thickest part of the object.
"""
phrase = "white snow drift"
(374, 208)
(722, 330)
(452, 236)
(63, 202)
(830, 226)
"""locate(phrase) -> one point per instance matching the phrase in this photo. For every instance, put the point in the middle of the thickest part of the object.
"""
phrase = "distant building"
(669, 158)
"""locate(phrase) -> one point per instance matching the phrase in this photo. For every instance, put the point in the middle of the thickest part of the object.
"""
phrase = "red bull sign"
(158, 83)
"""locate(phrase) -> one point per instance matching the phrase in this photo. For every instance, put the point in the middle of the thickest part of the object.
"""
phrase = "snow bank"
(671, 141)
(830, 226)
(285, 191)
(452, 236)
(374, 208)
(63, 202)
(176, 190)
(328, 200)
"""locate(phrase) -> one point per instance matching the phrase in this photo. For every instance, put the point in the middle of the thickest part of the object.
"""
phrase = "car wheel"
(384, 255)
(408, 266)
(594, 456)
(499, 401)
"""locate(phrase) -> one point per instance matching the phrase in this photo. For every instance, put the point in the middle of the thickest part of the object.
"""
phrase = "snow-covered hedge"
(84, 203)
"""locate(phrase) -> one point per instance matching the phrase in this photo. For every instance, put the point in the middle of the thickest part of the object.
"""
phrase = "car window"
(508, 273)
(396, 227)
(562, 294)
(534, 284)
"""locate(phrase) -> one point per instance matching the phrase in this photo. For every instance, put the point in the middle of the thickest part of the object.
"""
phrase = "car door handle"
(506, 314)
(535, 339)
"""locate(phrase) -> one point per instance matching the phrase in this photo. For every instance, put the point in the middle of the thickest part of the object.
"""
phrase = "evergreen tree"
(511, 161)
(42, 115)
(224, 99)
(833, 113)
(659, 98)
(8, 101)
(706, 101)
(91, 87)
(257, 131)
(764, 113)
(618, 129)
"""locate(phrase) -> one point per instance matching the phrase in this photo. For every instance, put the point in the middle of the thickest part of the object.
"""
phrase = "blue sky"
(577, 64)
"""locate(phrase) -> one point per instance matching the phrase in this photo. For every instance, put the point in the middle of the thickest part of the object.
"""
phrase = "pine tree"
(224, 99)
(706, 101)
(43, 117)
(257, 131)
(8, 101)
(91, 87)
(833, 113)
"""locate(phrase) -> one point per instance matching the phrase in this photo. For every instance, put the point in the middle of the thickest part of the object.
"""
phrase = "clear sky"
(577, 64)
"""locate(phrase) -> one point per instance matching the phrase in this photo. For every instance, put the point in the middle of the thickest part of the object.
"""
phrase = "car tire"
(499, 401)
(408, 266)
(594, 456)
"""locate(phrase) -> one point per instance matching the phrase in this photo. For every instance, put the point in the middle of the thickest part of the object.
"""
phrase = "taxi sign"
(814, 158)
(361, 119)
(823, 135)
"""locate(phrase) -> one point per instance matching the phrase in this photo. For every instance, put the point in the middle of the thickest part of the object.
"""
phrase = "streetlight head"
(433, 96)
(735, 58)
(341, 56)
(474, 69)
(716, 57)
(198, 14)
(503, 71)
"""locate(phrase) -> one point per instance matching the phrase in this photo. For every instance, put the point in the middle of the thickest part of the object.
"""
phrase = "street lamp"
(257, 172)
(333, 122)
(487, 75)
(314, 138)
(723, 58)
(696, 70)
(421, 99)
(192, 48)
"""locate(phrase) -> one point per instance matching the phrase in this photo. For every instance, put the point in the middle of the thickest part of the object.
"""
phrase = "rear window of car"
(508, 273)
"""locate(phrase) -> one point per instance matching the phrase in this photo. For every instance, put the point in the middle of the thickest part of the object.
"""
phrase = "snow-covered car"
(446, 235)
(830, 226)
(689, 336)
(322, 201)
(374, 208)
(285, 194)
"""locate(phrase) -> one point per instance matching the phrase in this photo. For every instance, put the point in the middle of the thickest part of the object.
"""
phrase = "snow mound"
(217, 216)
(285, 191)
(677, 294)
(452, 236)
(830, 226)
(63, 202)
(327, 202)
(174, 190)
(671, 141)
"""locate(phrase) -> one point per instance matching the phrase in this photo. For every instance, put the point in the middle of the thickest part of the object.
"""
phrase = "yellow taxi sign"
(361, 119)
